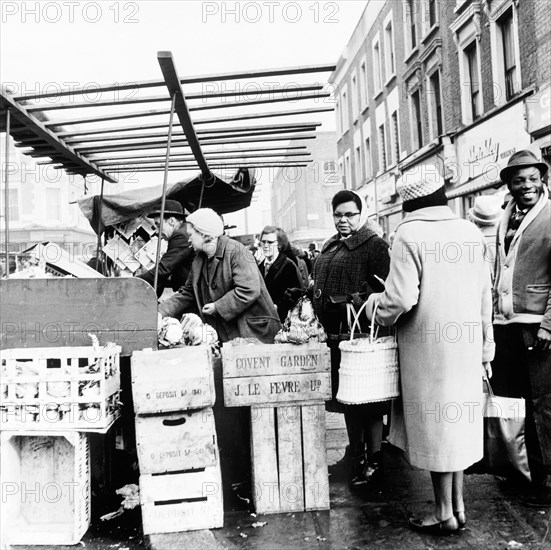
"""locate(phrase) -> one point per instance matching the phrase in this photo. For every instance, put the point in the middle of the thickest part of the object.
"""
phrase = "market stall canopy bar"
(90, 143)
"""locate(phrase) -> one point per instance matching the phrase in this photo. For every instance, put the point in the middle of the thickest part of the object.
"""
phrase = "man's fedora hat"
(172, 209)
(522, 159)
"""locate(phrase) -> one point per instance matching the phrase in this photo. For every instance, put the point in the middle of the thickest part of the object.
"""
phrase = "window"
(437, 126)
(377, 68)
(359, 166)
(338, 116)
(53, 204)
(367, 157)
(411, 28)
(432, 17)
(355, 97)
(509, 62)
(389, 50)
(363, 85)
(395, 146)
(471, 54)
(344, 109)
(382, 149)
(346, 170)
(416, 119)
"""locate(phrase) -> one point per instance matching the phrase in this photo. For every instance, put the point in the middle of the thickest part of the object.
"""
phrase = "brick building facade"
(455, 85)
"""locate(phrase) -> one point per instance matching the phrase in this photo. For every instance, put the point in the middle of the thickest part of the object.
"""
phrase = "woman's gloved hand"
(293, 295)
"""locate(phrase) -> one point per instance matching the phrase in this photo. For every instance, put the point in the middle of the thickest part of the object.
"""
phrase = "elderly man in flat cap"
(225, 286)
(522, 311)
(175, 263)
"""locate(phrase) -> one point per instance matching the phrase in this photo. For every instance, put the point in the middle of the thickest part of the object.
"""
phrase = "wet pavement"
(496, 519)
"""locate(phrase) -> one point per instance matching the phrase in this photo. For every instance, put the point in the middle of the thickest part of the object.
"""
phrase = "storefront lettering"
(252, 389)
(299, 361)
(488, 151)
(284, 387)
(253, 363)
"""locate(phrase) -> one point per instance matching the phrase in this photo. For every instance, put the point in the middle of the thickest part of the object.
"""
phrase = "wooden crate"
(288, 455)
(70, 388)
(172, 380)
(182, 501)
(173, 442)
(45, 481)
(275, 373)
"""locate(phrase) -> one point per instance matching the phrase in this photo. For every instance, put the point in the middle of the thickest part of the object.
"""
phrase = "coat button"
(317, 294)
(213, 285)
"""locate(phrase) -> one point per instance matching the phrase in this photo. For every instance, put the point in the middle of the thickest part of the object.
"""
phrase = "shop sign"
(538, 110)
(485, 149)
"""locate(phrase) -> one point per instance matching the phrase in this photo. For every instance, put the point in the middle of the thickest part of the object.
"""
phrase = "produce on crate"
(301, 325)
(190, 331)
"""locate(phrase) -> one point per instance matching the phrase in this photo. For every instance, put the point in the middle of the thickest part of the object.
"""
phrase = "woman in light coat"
(438, 293)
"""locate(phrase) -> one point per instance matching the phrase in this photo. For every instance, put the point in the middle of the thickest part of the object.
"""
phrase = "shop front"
(482, 151)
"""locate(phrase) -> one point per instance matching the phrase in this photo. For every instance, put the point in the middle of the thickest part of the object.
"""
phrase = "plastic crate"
(45, 481)
(71, 388)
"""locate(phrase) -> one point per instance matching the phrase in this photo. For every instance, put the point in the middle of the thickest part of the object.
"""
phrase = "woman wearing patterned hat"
(438, 295)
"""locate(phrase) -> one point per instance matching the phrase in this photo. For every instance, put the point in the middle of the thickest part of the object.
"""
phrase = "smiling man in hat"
(522, 310)
(176, 262)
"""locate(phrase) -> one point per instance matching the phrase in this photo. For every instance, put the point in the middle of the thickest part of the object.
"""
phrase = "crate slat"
(316, 475)
(273, 359)
(265, 476)
(291, 478)
(277, 389)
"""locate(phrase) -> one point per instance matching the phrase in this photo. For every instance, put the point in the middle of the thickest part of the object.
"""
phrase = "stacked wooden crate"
(286, 386)
(180, 480)
(49, 399)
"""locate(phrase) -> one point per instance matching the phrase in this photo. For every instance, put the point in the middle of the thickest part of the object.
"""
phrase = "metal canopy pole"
(163, 196)
(7, 195)
(172, 81)
(100, 224)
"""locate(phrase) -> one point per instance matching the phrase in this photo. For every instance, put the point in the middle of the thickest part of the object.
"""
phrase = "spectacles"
(268, 242)
(346, 215)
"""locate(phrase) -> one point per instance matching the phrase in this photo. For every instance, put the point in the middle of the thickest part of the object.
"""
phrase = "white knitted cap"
(419, 182)
(207, 222)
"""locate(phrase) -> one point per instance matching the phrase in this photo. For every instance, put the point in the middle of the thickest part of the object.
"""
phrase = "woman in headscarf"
(349, 268)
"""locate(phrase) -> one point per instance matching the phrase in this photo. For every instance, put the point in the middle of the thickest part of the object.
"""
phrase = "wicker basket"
(369, 367)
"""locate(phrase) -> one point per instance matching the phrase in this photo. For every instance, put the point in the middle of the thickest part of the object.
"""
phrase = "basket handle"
(374, 331)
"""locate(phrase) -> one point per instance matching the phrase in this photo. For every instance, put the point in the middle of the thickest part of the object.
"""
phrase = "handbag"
(504, 448)
(369, 366)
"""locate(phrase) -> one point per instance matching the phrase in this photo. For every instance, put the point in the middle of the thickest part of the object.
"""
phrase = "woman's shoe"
(369, 473)
(461, 518)
(442, 528)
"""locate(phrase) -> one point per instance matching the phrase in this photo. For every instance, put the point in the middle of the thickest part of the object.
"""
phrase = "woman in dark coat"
(278, 271)
(348, 269)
